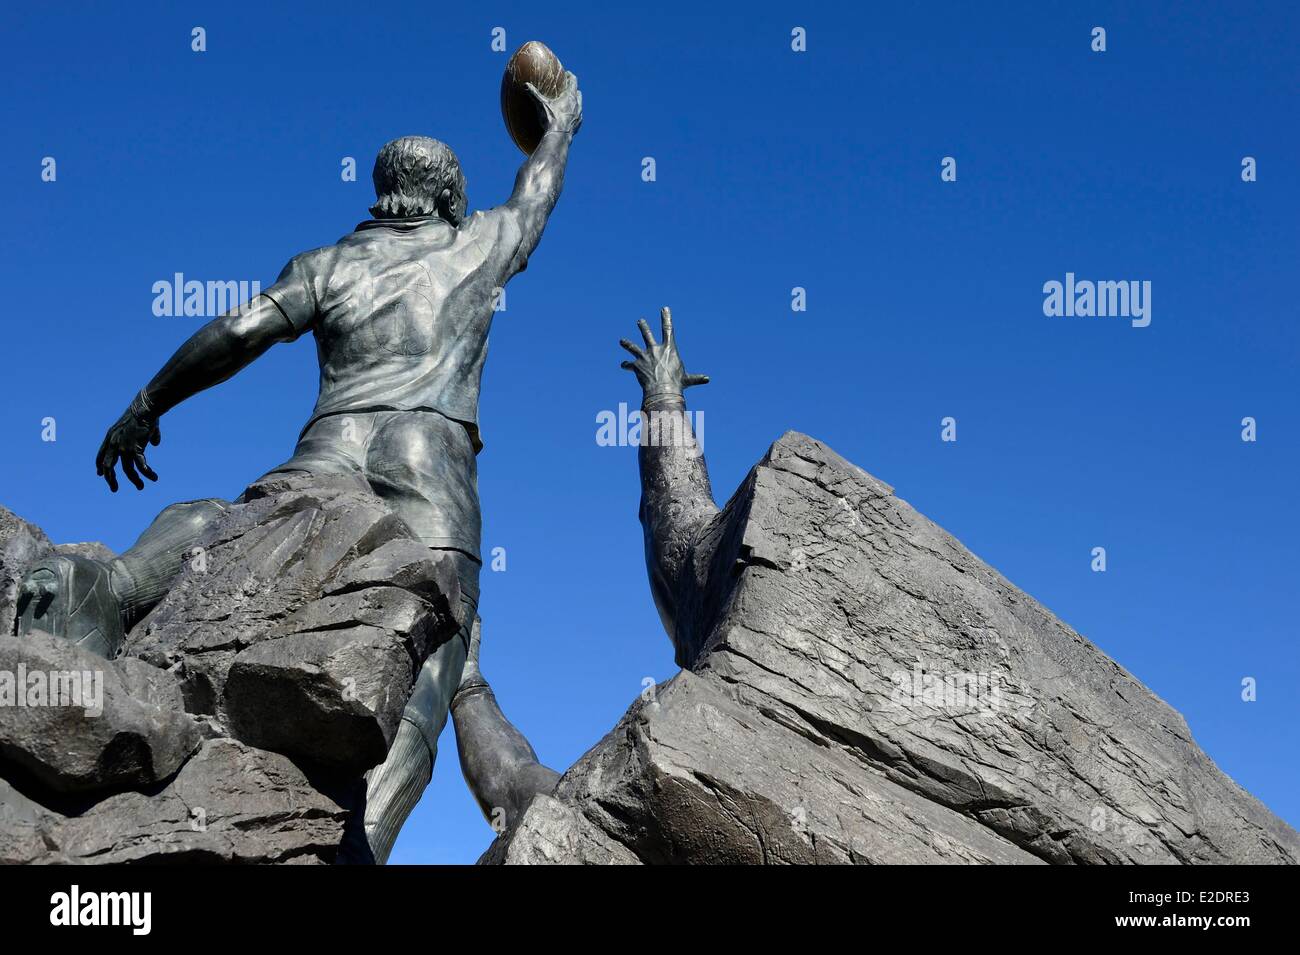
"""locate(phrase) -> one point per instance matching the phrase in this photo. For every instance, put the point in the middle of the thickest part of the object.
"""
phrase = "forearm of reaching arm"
(676, 499)
(538, 186)
(216, 352)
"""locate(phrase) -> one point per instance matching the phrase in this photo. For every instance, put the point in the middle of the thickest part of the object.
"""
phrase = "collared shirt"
(401, 310)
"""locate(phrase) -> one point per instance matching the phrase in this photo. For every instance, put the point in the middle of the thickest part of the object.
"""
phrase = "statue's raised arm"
(676, 498)
(541, 177)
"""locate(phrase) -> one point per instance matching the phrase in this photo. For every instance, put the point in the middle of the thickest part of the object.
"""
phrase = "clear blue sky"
(775, 170)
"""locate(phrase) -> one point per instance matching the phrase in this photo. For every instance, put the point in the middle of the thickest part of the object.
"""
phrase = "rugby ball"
(532, 63)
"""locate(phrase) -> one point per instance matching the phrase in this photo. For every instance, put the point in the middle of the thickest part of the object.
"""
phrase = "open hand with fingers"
(659, 368)
(126, 441)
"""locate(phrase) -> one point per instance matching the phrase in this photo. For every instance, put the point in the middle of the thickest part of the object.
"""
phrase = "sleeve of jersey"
(294, 294)
(498, 234)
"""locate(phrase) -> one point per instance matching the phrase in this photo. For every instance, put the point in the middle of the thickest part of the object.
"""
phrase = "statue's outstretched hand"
(563, 112)
(126, 441)
(659, 368)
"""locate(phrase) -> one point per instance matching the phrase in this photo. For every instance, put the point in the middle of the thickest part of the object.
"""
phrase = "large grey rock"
(230, 803)
(21, 545)
(265, 559)
(697, 777)
(88, 725)
(333, 696)
(862, 688)
(247, 705)
(551, 832)
(406, 563)
(302, 625)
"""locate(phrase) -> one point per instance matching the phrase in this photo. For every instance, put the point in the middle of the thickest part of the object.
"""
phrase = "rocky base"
(229, 803)
(863, 689)
(246, 707)
(859, 688)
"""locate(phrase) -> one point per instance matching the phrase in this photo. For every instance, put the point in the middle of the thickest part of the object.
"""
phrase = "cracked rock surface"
(303, 626)
(21, 545)
(862, 688)
(122, 726)
(246, 706)
(229, 803)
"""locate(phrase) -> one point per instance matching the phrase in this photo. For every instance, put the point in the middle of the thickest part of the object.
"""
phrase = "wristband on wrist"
(661, 399)
(140, 406)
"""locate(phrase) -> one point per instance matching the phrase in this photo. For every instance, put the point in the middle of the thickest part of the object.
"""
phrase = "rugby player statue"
(400, 309)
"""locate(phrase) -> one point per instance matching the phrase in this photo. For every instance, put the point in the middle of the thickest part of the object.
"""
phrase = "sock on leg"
(394, 787)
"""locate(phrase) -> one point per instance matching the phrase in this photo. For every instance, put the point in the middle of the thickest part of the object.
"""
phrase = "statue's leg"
(395, 786)
(143, 575)
(500, 766)
(94, 603)
(423, 465)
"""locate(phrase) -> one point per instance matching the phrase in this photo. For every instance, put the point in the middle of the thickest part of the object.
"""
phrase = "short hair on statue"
(410, 176)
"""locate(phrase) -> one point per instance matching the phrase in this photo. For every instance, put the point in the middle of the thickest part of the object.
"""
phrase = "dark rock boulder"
(301, 625)
(332, 696)
(229, 803)
(246, 706)
(862, 688)
(79, 723)
(21, 545)
(551, 832)
(695, 776)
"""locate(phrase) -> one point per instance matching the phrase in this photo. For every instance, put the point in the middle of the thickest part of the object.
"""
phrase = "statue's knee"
(206, 508)
(197, 515)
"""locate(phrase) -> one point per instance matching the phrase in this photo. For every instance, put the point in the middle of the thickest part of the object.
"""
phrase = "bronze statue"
(400, 309)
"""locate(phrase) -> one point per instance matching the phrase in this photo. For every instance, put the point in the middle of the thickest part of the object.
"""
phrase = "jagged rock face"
(697, 777)
(862, 688)
(87, 724)
(246, 706)
(290, 632)
(229, 803)
(551, 832)
(21, 545)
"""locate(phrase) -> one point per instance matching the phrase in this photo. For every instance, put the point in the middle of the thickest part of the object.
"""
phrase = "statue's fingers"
(645, 332)
(109, 472)
(695, 380)
(103, 460)
(666, 323)
(143, 465)
(128, 468)
(636, 352)
(155, 436)
(630, 366)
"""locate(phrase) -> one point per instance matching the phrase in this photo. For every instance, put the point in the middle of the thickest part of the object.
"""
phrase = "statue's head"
(418, 176)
